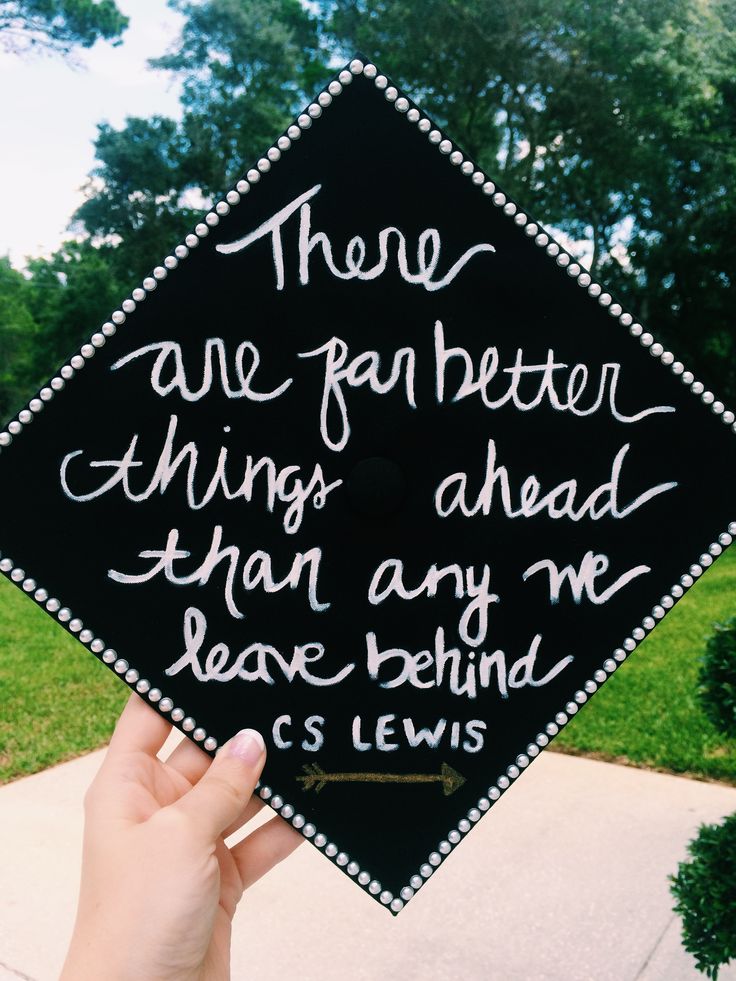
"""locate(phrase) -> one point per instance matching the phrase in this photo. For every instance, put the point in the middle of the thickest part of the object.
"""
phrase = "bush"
(705, 893)
(717, 678)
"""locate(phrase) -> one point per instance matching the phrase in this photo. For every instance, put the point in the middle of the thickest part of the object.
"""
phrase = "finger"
(190, 760)
(139, 728)
(222, 793)
(264, 848)
(252, 808)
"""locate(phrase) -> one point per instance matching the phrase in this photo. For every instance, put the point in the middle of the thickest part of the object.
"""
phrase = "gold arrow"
(315, 778)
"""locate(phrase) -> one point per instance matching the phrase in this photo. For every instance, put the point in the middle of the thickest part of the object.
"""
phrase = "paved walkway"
(565, 880)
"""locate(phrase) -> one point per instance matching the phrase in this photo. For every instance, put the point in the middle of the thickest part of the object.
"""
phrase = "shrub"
(717, 678)
(705, 893)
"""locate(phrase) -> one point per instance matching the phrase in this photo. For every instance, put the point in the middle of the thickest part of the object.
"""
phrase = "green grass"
(647, 713)
(57, 700)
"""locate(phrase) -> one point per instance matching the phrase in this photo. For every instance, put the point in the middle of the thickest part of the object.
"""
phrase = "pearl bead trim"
(565, 262)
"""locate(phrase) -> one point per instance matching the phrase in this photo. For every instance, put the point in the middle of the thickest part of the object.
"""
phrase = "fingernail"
(248, 745)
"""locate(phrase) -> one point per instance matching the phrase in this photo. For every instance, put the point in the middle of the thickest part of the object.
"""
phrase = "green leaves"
(705, 893)
(705, 887)
(614, 122)
(18, 333)
(58, 26)
(246, 69)
(717, 678)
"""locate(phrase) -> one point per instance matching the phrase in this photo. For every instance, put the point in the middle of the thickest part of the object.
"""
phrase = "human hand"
(159, 886)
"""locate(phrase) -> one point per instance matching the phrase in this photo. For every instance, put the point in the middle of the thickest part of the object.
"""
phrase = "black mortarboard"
(371, 464)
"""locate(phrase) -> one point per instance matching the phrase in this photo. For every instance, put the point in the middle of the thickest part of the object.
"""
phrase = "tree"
(246, 68)
(18, 335)
(134, 196)
(717, 678)
(705, 893)
(704, 887)
(69, 295)
(614, 122)
(58, 26)
(46, 314)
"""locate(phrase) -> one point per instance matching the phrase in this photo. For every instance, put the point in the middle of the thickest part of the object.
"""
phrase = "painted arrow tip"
(451, 779)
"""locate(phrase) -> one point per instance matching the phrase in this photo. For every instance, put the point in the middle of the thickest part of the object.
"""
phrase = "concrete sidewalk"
(566, 878)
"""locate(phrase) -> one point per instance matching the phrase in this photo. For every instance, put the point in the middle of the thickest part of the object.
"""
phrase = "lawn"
(648, 712)
(58, 701)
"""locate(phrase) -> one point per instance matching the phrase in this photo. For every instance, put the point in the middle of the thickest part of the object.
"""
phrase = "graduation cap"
(369, 463)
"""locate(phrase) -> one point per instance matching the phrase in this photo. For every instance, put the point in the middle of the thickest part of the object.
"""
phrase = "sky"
(49, 112)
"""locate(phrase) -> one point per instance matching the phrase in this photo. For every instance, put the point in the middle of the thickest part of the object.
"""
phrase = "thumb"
(220, 795)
